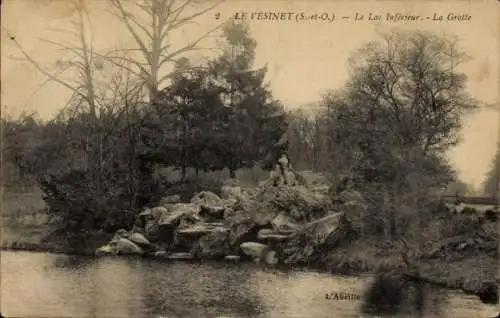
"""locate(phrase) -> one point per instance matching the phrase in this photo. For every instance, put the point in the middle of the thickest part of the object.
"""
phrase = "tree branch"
(125, 18)
(42, 70)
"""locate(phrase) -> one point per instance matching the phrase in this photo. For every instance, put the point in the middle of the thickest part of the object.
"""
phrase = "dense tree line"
(386, 130)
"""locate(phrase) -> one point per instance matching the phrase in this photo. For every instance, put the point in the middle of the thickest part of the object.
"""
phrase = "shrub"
(76, 208)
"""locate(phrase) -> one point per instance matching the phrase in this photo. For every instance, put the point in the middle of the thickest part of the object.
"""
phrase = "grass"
(23, 218)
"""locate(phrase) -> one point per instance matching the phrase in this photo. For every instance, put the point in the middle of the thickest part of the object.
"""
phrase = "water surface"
(51, 285)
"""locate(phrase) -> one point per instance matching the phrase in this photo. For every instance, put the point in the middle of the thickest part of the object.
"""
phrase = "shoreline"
(444, 278)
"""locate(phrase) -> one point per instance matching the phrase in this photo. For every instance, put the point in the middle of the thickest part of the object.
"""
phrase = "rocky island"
(300, 225)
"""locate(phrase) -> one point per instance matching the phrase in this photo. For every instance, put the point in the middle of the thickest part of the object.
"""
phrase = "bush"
(76, 208)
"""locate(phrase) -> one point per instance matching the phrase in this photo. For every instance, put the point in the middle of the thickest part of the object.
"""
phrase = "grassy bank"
(25, 226)
(467, 261)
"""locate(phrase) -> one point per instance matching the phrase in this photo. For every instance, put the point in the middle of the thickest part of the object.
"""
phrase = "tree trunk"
(183, 172)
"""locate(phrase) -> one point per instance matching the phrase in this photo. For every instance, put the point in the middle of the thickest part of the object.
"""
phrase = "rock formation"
(268, 224)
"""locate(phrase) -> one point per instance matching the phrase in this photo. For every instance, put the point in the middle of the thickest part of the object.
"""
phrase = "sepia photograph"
(238, 158)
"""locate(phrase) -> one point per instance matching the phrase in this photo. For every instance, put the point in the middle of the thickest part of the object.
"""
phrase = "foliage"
(389, 127)
(492, 181)
(387, 130)
(216, 116)
(96, 161)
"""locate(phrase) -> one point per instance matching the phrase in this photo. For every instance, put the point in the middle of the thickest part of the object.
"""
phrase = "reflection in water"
(395, 296)
(47, 285)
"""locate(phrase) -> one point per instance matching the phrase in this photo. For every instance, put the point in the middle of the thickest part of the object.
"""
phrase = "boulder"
(317, 237)
(145, 216)
(180, 256)
(140, 240)
(213, 245)
(269, 235)
(229, 192)
(123, 246)
(105, 250)
(207, 198)
(147, 224)
(180, 212)
(212, 212)
(283, 223)
(160, 254)
(232, 258)
(121, 233)
(271, 258)
(198, 230)
(242, 230)
(303, 203)
(138, 229)
(152, 230)
(158, 212)
(257, 251)
(188, 238)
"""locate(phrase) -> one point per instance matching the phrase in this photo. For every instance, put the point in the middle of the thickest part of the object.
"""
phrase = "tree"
(153, 38)
(192, 120)
(257, 121)
(397, 115)
(97, 178)
(82, 65)
(492, 183)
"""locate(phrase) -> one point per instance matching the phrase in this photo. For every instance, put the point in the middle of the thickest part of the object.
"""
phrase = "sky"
(304, 58)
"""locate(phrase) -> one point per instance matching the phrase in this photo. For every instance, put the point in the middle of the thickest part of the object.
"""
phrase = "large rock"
(302, 203)
(123, 246)
(316, 238)
(207, 198)
(259, 252)
(199, 229)
(105, 250)
(244, 229)
(180, 212)
(281, 208)
(140, 240)
(213, 245)
(230, 192)
(267, 235)
(148, 224)
(188, 238)
(212, 212)
(152, 231)
(158, 212)
(135, 237)
(284, 224)
(181, 256)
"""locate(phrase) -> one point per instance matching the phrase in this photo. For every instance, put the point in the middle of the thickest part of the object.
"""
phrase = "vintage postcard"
(211, 158)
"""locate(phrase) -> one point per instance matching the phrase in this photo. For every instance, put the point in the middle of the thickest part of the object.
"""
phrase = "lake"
(53, 285)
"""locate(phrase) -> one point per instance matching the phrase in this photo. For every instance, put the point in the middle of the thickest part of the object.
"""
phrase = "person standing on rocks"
(284, 165)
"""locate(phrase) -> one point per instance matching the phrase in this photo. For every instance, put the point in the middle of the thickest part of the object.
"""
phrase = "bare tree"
(153, 37)
(90, 95)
